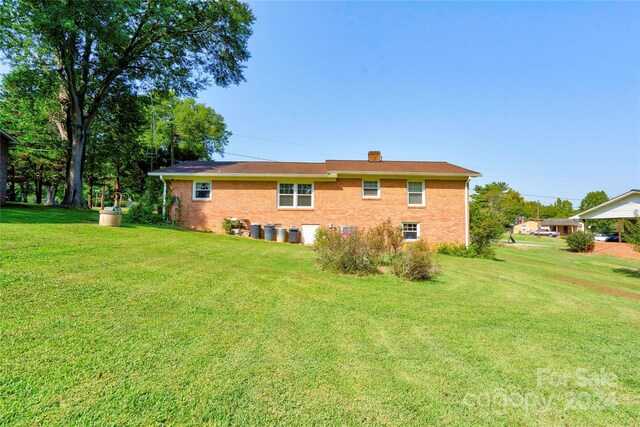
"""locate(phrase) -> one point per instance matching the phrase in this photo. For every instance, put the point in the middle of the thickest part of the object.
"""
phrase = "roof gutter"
(383, 173)
(240, 175)
(331, 174)
(164, 196)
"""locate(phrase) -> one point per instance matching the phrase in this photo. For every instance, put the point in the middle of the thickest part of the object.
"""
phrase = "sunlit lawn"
(150, 325)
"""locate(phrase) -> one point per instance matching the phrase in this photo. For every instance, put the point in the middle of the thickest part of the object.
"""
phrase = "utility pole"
(538, 216)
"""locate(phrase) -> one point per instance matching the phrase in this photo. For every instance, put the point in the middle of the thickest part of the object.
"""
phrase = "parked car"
(543, 232)
(614, 239)
(600, 237)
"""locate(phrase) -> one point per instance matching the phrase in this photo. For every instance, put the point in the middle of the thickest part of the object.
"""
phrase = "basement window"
(411, 230)
(295, 196)
(415, 193)
(201, 190)
(370, 189)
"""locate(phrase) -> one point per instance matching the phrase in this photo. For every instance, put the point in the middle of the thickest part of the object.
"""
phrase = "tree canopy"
(592, 199)
(89, 46)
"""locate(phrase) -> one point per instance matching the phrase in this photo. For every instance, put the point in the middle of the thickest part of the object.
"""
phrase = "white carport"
(625, 206)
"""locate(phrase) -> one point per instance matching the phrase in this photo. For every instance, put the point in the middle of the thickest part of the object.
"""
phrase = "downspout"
(164, 197)
(466, 211)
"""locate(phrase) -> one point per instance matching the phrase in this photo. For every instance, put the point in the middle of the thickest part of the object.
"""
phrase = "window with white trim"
(201, 190)
(415, 193)
(370, 189)
(295, 195)
(411, 230)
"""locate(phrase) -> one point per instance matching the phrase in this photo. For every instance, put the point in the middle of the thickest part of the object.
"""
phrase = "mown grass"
(145, 325)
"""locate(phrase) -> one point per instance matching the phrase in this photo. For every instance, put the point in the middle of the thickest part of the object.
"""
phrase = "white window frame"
(413, 192)
(193, 194)
(295, 195)
(417, 229)
(379, 189)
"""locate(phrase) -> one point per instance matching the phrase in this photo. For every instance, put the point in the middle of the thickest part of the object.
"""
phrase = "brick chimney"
(375, 156)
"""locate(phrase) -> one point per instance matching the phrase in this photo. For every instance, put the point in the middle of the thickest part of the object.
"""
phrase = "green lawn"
(150, 326)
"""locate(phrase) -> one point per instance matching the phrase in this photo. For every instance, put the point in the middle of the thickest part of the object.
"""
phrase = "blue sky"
(544, 96)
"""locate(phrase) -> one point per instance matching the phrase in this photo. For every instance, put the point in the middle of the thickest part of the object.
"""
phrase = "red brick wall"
(338, 203)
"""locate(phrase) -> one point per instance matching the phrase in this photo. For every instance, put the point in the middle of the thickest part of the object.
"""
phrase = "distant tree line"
(131, 135)
(505, 205)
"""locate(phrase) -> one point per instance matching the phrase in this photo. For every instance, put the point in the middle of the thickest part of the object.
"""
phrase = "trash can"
(281, 234)
(268, 231)
(293, 235)
(255, 230)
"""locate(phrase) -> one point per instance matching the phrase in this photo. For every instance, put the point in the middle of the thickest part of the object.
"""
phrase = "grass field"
(157, 326)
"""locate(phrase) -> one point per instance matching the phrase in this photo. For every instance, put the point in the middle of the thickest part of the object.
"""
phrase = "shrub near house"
(361, 253)
(581, 241)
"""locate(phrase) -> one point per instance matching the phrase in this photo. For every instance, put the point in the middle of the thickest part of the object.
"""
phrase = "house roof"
(615, 208)
(328, 168)
(561, 221)
(6, 136)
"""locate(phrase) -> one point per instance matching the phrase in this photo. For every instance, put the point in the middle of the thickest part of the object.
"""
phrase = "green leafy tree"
(632, 231)
(490, 196)
(201, 131)
(592, 199)
(27, 108)
(89, 46)
(182, 129)
(485, 228)
(115, 151)
(563, 208)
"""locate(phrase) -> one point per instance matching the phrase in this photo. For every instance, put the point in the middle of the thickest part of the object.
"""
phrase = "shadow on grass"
(630, 272)
(24, 213)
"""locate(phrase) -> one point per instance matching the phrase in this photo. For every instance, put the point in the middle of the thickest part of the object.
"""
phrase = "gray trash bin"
(293, 235)
(281, 234)
(268, 231)
(255, 230)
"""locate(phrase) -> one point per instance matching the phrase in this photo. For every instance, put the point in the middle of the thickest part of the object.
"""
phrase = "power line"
(250, 157)
(548, 197)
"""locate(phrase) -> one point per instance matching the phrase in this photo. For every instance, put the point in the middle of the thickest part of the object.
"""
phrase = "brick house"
(429, 199)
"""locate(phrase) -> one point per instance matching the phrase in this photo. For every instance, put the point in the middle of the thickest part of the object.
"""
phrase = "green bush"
(143, 214)
(632, 232)
(227, 225)
(348, 254)
(581, 241)
(458, 249)
(384, 241)
(486, 227)
(414, 262)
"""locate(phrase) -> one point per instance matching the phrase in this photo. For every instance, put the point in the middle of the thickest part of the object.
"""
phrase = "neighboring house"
(563, 226)
(430, 200)
(5, 140)
(624, 206)
(527, 226)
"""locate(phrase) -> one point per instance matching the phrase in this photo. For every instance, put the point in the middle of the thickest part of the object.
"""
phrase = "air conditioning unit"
(347, 229)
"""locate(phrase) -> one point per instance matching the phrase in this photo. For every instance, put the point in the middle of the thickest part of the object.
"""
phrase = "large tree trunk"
(51, 195)
(73, 196)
